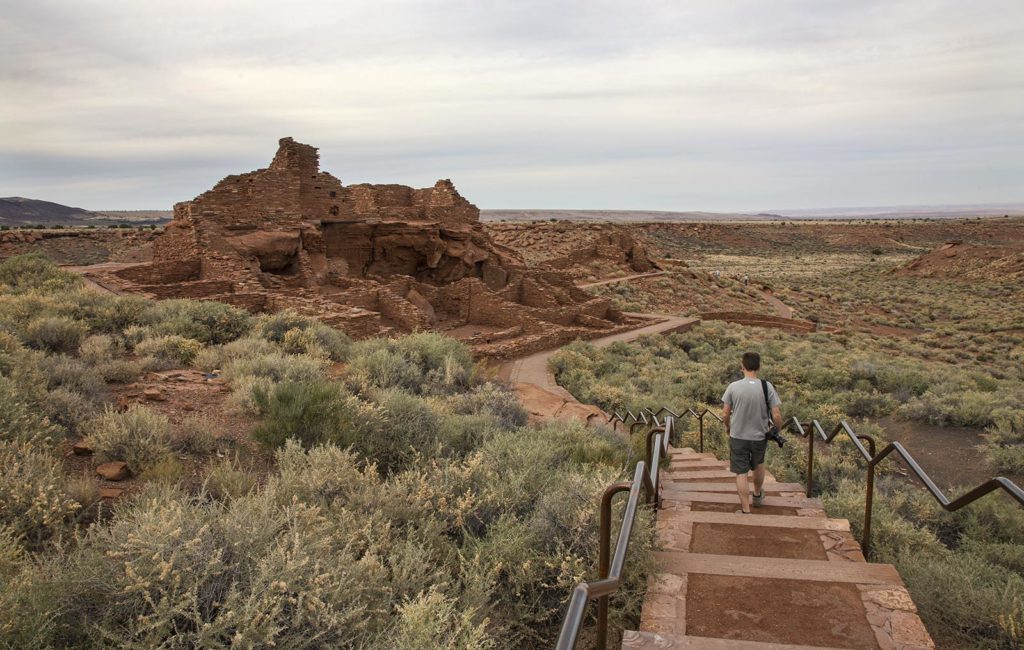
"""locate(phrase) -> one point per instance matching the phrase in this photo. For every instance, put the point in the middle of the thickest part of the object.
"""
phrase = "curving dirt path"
(545, 399)
(781, 309)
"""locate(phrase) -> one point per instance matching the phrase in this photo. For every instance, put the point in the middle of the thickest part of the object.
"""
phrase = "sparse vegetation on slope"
(963, 569)
(398, 501)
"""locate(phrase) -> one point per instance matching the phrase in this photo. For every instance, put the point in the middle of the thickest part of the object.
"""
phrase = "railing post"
(604, 557)
(701, 418)
(869, 500)
(810, 462)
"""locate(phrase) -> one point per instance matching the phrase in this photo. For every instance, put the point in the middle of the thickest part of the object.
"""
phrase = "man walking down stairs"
(784, 577)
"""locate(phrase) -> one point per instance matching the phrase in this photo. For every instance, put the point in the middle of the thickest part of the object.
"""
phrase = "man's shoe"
(759, 499)
(744, 512)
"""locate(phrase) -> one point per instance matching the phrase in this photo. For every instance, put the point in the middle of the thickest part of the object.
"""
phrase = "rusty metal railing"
(815, 431)
(647, 415)
(646, 478)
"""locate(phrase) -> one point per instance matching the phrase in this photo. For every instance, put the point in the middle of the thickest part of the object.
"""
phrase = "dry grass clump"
(33, 505)
(139, 436)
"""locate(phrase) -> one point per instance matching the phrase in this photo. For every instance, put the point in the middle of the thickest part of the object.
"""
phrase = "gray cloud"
(570, 104)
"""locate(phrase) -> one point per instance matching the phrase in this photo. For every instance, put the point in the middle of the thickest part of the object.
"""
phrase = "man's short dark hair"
(751, 361)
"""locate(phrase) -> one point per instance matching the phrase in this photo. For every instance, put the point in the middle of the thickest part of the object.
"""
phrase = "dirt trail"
(781, 309)
(710, 558)
(545, 399)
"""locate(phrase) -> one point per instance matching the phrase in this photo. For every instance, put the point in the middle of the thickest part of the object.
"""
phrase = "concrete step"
(763, 521)
(770, 488)
(653, 641)
(698, 474)
(681, 563)
(689, 496)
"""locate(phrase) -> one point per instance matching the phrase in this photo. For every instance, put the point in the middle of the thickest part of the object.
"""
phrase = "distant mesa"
(18, 211)
(368, 259)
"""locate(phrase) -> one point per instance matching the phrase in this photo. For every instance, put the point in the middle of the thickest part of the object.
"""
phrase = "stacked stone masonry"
(368, 259)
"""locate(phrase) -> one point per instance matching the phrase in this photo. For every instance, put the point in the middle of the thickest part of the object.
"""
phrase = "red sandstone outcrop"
(368, 259)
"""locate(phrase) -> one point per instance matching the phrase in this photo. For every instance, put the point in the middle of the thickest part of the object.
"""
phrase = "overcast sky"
(694, 105)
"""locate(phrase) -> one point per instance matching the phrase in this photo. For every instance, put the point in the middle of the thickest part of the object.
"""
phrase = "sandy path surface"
(781, 308)
(545, 399)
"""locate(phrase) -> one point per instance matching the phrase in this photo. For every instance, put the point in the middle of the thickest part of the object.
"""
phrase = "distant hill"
(19, 211)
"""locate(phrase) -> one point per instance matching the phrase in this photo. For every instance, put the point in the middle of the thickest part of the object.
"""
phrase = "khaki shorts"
(745, 455)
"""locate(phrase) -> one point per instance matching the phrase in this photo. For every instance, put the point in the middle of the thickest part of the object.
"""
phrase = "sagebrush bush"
(492, 400)
(311, 412)
(34, 272)
(21, 419)
(275, 366)
(203, 321)
(55, 334)
(139, 436)
(33, 504)
(228, 480)
(299, 334)
(194, 435)
(171, 351)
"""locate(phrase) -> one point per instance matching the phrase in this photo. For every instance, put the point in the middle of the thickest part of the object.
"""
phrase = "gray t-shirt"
(750, 420)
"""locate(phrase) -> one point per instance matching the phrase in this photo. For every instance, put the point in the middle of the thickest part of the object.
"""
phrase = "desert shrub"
(275, 366)
(407, 427)
(246, 394)
(426, 363)
(123, 371)
(300, 334)
(204, 321)
(434, 620)
(21, 419)
(312, 412)
(168, 470)
(228, 480)
(55, 334)
(492, 400)
(381, 368)
(97, 349)
(33, 271)
(138, 436)
(67, 372)
(170, 351)
(32, 502)
(194, 435)
(104, 312)
(68, 409)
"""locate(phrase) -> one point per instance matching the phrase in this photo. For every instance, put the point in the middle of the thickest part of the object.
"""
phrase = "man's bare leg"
(743, 488)
(759, 479)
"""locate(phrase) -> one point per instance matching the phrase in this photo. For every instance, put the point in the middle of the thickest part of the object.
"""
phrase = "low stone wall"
(761, 320)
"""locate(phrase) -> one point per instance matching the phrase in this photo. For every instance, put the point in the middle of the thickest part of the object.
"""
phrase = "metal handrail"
(635, 420)
(873, 459)
(646, 476)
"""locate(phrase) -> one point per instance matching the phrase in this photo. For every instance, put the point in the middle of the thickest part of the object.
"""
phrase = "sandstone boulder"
(114, 471)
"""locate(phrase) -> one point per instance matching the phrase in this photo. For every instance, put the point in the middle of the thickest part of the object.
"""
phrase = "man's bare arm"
(777, 416)
(726, 412)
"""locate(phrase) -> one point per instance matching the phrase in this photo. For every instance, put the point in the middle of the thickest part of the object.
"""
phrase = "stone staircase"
(786, 577)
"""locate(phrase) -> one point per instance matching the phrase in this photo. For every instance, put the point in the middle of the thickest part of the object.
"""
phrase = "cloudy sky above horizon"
(723, 106)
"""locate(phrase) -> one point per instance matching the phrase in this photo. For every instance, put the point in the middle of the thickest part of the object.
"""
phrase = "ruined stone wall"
(162, 272)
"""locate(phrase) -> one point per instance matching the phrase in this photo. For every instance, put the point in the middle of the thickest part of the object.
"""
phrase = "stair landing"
(786, 577)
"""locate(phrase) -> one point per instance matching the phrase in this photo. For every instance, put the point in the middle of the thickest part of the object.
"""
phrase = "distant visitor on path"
(751, 405)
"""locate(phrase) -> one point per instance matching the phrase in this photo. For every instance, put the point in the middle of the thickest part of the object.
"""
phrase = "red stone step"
(653, 641)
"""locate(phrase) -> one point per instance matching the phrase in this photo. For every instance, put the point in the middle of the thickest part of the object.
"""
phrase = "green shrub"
(67, 372)
(227, 480)
(170, 351)
(138, 436)
(32, 501)
(21, 419)
(275, 366)
(492, 400)
(434, 620)
(381, 368)
(68, 409)
(55, 334)
(312, 412)
(204, 321)
(34, 271)
(194, 435)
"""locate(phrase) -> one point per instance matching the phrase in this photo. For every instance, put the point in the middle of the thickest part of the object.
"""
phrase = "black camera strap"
(767, 405)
